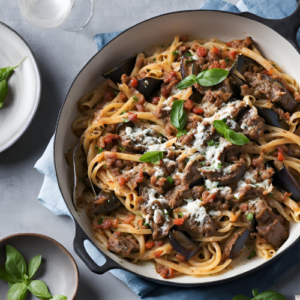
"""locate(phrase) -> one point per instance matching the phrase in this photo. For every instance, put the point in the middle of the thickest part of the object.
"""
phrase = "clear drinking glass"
(72, 15)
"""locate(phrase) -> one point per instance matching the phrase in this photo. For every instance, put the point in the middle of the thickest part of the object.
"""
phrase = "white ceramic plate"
(162, 29)
(24, 87)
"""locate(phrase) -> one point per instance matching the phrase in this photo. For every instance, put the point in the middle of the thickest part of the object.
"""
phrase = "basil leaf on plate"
(59, 297)
(211, 77)
(152, 156)
(270, 295)
(3, 91)
(33, 265)
(15, 264)
(39, 289)
(241, 297)
(233, 137)
(186, 82)
(236, 138)
(18, 291)
(7, 277)
(5, 72)
(178, 115)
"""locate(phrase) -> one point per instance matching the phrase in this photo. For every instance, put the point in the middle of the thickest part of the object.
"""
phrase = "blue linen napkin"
(50, 195)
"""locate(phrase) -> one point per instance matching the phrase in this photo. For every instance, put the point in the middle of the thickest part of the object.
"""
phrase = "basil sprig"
(267, 295)
(230, 135)
(205, 78)
(152, 157)
(17, 275)
(178, 115)
(4, 74)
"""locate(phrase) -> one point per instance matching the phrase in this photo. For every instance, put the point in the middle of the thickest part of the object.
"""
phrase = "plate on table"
(24, 87)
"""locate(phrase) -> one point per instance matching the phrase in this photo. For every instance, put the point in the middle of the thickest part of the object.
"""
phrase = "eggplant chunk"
(185, 69)
(149, 85)
(243, 62)
(182, 244)
(122, 126)
(105, 201)
(272, 118)
(284, 179)
(125, 67)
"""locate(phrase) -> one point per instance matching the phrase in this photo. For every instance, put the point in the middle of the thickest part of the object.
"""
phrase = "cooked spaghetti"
(186, 156)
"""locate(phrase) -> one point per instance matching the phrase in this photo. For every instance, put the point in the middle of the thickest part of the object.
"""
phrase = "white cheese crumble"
(196, 210)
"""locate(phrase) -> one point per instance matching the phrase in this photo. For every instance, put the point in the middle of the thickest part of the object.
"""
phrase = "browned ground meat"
(264, 173)
(122, 244)
(170, 80)
(252, 125)
(213, 101)
(162, 111)
(175, 196)
(247, 42)
(191, 172)
(266, 85)
(164, 272)
(270, 226)
(282, 115)
(246, 90)
(249, 192)
(190, 225)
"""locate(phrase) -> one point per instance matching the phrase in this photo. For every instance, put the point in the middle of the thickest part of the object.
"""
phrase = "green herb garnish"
(180, 215)
(178, 115)
(252, 254)
(181, 133)
(135, 98)
(250, 217)
(101, 220)
(170, 179)
(227, 59)
(99, 150)
(175, 52)
(211, 143)
(152, 157)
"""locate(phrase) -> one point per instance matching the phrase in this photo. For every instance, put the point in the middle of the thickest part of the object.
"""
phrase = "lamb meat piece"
(249, 192)
(175, 197)
(121, 244)
(162, 111)
(161, 229)
(270, 226)
(212, 102)
(191, 172)
(190, 225)
(251, 124)
(247, 42)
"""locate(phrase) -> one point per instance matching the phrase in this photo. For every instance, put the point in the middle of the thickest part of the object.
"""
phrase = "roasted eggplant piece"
(242, 63)
(200, 181)
(285, 180)
(149, 85)
(182, 244)
(236, 81)
(105, 201)
(240, 243)
(125, 67)
(272, 118)
(122, 126)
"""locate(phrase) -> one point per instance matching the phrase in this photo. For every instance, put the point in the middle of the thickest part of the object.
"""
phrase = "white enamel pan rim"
(182, 281)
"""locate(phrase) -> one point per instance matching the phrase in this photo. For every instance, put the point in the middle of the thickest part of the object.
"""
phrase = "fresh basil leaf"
(236, 138)
(220, 126)
(181, 133)
(3, 91)
(186, 82)
(7, 277)
(15, 264)
(241, 297)
(5, 72)
(18, 291)
(33, 265)
(59, 297)
(254, 292)
(39, 289)
(10, 284)
(178, 115)
(211, 77)
(152, 156)
(270, 295)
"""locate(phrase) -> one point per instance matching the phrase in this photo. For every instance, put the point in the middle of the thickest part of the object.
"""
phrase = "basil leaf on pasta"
(152, 156)
(186, 82)
(220, 126)
(211, 77)
(178, 115)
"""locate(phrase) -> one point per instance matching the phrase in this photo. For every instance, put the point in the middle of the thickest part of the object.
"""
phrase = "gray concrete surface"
(60, 56)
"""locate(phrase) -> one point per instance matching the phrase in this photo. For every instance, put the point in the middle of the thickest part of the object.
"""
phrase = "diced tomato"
(129, 219)
(106, 224)
(214, 65)
(159, 243)
(122, 180)
(232, 54)
(178, 221)
(184, 38)
(132, 117)
(140, 107)
(118, 233)
(109, 95)
(155, 100)
(197, 110)
(201, 52)
(265, 72)
(222, 64)
(133, 83)
(244, 207)
(271, 72)
(173, 73)
(110, 137)
(188, 104)
(139, 177)
(158, 253)
(229, 44)
(115, 223)
(280, 155)
(122, 96)
(180, 257)
(215, 50)
(208, 198)
(149, 245)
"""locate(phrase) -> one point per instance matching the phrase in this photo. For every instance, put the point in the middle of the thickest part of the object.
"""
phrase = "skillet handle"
(80, 237)
(287, 27)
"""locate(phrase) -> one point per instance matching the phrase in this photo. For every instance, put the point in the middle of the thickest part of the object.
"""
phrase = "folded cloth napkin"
(50, 195)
